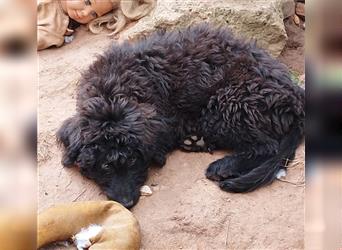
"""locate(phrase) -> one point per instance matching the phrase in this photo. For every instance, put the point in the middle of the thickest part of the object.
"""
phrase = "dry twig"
(78, 196)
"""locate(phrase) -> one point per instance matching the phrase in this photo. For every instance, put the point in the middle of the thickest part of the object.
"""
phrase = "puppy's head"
(111, 140)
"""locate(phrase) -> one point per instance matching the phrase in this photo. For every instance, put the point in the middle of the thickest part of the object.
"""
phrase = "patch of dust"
(46, 141)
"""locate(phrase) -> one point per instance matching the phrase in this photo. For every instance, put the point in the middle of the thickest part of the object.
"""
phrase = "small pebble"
(68, 39)
(281, 173)
(145, 190)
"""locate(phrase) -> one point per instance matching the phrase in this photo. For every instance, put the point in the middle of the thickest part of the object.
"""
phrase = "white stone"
(281, 173)
(145, 190)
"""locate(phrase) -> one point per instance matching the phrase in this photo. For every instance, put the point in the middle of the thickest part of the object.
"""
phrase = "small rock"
(281, 173)
(268, 25)
(68, 39)
(296, 19)
(145, 190)
(300, 9)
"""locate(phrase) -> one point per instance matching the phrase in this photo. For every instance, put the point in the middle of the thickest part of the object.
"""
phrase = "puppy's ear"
(121, 119)
(153, 122)
(69, 136)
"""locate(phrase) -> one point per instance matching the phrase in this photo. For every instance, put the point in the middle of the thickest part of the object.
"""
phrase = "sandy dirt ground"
(186, 211)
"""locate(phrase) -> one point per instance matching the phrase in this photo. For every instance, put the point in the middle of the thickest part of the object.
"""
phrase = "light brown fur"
(120, 228)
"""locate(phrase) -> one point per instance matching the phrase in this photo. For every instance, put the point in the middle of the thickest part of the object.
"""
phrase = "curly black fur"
(137, 102)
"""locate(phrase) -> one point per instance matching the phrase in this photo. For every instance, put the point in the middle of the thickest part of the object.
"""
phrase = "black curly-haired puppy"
(199, 89)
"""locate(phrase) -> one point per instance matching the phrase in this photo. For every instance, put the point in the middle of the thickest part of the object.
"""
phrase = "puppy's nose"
(127, 203)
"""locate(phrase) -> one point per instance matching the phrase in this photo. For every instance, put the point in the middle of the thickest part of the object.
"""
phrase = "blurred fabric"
(17, 124)
(324, 125)
(18, 78)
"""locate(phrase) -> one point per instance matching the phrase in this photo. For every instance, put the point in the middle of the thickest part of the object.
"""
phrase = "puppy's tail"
(266, 172)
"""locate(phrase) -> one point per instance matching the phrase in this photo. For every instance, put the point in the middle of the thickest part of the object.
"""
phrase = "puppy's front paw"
(193, 143)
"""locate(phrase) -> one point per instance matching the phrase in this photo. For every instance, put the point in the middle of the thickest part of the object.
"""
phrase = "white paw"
(82, 239)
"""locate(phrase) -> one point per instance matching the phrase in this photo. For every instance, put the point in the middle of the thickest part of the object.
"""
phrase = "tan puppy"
(118, 227)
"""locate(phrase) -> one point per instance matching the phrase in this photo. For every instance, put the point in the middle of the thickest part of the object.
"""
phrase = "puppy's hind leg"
(265, 171)
(233, 166)
(247, 157)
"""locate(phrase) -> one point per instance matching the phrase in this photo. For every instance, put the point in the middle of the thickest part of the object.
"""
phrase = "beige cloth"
(136, 9)
(52, 24)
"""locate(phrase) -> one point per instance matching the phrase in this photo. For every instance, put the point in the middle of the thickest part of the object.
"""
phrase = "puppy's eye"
(87, 2)
(131, 161)
(108, 137)
(122, 160)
